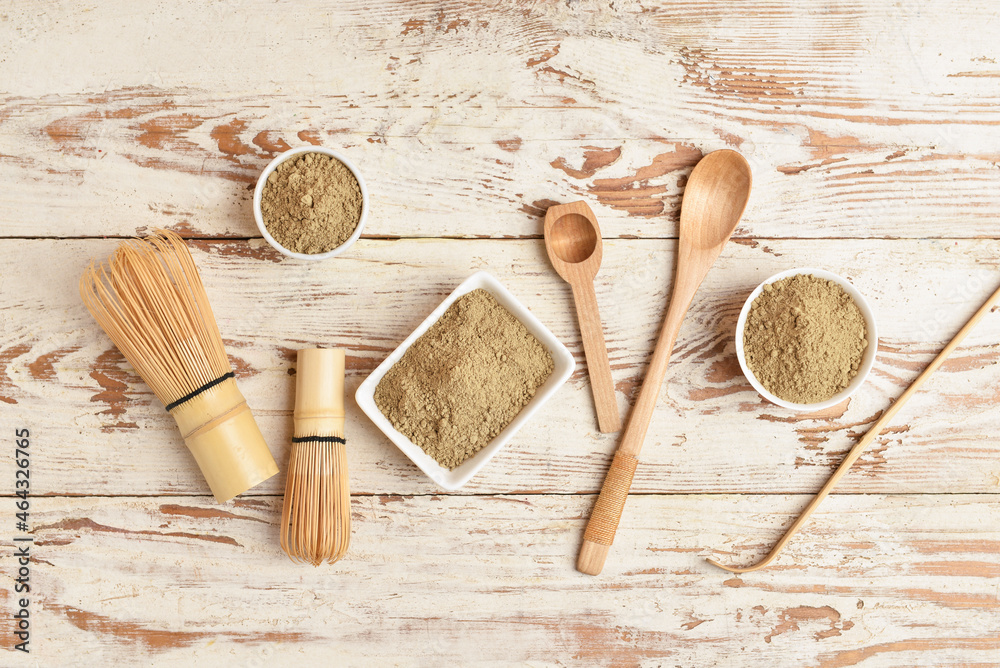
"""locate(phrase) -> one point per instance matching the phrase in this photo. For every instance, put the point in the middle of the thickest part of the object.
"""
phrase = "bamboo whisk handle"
(224, 439)
(319, 393)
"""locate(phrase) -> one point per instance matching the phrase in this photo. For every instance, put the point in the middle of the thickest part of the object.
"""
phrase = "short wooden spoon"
(714, 199)
(573, 242)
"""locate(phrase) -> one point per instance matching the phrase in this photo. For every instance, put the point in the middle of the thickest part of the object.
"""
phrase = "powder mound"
(311, 203)
(804, 338)
(464, 380)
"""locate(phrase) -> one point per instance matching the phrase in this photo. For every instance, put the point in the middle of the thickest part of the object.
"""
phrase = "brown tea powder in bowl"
(804, 338)
(464, 380)
(311, 203)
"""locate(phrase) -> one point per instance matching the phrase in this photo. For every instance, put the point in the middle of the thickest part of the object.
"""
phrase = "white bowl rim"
(455, 479)
(259, 192)
(866, 362)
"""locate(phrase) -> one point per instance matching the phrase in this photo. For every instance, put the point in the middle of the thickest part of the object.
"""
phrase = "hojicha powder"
(311, 203)
(804, 338)
(464, 380)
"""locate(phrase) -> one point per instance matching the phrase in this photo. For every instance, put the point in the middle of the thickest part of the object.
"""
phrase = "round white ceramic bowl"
(866, 361)
(259, 191)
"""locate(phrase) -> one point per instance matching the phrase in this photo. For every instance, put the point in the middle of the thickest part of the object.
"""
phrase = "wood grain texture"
(876, 580)
(710, 431)
(871, 129)
(852, 119)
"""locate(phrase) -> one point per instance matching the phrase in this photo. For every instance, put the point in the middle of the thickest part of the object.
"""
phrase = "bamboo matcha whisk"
(150, 300)
(316, 517)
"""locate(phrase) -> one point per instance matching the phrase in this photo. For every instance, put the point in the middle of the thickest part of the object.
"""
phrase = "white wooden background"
(873, 129)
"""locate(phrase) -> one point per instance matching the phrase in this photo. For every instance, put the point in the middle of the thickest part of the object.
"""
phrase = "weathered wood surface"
(105, 433)
(854, 116)
(876, 580)
(872, 130)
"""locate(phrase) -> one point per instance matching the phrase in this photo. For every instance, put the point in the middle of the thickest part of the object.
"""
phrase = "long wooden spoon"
(867, 439)
(714, 200)
(573, 242)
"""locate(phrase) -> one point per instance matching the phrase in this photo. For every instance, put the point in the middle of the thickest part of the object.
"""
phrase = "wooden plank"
(871, 130)
(854, 123)
(895, 580)
(99, 430)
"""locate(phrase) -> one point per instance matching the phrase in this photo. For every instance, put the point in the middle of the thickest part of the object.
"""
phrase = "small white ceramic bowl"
(456, 478)
(867, 360)
(259, 191)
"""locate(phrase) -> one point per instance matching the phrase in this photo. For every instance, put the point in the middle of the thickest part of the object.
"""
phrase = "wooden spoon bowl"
(574, 239)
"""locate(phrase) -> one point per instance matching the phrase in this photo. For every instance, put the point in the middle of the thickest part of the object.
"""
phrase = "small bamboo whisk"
(150, 300)
(316, 516)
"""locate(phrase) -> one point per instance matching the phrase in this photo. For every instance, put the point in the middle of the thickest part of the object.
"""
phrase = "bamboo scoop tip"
(732, 569)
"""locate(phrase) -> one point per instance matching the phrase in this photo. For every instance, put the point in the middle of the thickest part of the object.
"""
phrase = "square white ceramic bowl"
(867, 360)
(454, 479)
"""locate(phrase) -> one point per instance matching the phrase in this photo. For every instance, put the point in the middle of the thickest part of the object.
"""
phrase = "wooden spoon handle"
(603, 524)
(598, 365)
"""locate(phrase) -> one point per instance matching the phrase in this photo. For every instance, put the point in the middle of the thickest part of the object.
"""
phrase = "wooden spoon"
(714, 200)
(573, 242)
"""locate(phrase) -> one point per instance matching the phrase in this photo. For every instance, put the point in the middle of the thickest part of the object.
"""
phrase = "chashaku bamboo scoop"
(867, 440)
(316, 516)
(150, 300)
